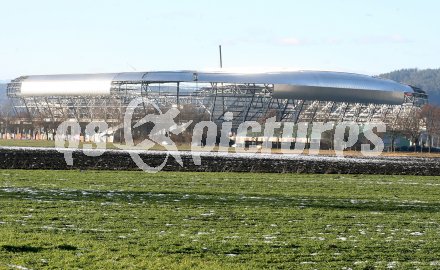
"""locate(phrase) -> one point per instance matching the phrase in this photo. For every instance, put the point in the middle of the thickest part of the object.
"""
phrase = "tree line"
(426, 79)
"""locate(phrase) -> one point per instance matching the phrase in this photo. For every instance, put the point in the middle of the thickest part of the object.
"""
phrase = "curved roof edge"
(308, 78)
(100, 84)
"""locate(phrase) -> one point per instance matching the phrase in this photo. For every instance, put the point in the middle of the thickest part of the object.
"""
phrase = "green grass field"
(135, 220)
(51, 144)
(187, 147)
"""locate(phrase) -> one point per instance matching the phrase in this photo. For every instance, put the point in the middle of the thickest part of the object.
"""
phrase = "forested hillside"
(2, 93)
(427, 79)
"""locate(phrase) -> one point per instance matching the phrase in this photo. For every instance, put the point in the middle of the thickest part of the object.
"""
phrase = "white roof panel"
(69, 84)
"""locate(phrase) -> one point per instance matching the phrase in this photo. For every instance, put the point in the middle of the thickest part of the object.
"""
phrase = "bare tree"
(6, 115)
(431, 117)
(411, 126)
(394, 130)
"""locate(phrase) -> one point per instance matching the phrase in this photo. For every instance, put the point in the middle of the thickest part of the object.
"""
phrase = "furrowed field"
(135, 220)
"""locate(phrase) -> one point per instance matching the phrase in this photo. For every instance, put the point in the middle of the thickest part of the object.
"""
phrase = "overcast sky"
(84, 36)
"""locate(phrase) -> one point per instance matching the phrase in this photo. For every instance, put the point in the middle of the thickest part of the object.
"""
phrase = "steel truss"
(247, 102)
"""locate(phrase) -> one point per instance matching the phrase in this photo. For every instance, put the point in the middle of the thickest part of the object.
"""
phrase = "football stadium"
(126, 142)
(296, 96)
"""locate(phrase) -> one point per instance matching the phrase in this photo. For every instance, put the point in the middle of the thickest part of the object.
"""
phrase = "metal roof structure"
(314, 85)
(291, 96)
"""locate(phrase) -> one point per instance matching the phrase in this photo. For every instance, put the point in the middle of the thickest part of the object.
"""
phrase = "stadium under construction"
(44, 101)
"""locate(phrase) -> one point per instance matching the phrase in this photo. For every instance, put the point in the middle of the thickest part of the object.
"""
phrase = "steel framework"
(247, 102)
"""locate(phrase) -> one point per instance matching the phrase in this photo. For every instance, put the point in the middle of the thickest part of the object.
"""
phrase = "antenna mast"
(221, 59)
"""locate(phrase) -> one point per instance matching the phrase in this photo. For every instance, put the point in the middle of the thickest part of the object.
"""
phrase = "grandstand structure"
(294, 96)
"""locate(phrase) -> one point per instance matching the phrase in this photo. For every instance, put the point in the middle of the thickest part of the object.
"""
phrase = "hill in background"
(3, 97)
(427, 79)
